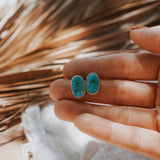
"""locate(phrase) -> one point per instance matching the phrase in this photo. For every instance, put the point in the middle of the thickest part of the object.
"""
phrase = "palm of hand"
(133, 119)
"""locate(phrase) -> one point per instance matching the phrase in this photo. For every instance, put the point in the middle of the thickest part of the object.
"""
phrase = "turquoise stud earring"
(78, 86)
(92, 83)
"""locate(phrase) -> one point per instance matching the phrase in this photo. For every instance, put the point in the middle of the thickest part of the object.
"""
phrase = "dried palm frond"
(38, 38)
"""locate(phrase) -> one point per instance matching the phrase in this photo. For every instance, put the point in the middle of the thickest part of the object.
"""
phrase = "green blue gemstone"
(78, 86)
(92, 83)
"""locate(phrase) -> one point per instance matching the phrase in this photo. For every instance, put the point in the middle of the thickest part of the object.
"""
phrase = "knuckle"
(137, 139)
(157, 44)
(121, 92)
(125, 64)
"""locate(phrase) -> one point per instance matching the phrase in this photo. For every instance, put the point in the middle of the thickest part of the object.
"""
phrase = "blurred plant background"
(38, 37)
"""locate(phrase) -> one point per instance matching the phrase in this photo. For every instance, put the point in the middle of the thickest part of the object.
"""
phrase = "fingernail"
(138, 27)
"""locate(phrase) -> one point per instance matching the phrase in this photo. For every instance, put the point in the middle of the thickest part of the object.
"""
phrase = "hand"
(132, 120)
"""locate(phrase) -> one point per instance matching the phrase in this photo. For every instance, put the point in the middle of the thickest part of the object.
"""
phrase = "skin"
(132, 120)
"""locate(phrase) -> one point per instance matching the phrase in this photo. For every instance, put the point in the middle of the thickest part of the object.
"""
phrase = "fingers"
(118, 92)
(68, 110)
(147, 38)
(157, 101)
(143, 66)
(136, 139)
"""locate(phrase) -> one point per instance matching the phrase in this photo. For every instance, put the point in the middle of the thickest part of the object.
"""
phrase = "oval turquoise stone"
(92, 83)
(78, 87)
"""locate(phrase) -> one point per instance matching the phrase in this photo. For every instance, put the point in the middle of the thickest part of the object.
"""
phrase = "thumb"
(147, 38)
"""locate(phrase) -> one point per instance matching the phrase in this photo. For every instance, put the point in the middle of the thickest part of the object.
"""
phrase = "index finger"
(140, 66)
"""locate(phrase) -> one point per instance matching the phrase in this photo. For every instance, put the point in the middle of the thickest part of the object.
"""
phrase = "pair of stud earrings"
(78, 85)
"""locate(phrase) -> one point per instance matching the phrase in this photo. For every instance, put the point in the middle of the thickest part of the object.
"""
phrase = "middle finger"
(118, 92)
